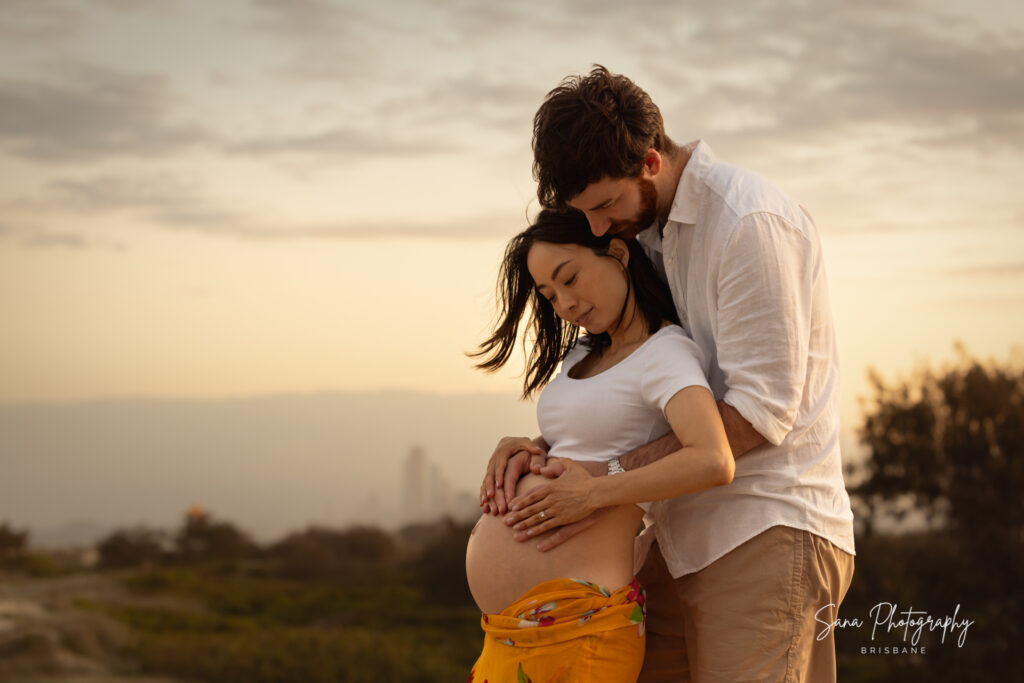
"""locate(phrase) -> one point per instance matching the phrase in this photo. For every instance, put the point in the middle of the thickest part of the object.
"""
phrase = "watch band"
(615, 467)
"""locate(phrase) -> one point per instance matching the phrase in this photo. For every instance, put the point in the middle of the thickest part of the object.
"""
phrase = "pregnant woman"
(575, 613)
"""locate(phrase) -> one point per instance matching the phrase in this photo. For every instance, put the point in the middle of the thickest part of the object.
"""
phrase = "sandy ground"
(44, 638)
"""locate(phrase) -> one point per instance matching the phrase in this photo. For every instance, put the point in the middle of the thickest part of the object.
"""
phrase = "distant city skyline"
(427, 493)
(271, 464)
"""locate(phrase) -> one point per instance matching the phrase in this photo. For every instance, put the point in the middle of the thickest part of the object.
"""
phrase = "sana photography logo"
(908, 625)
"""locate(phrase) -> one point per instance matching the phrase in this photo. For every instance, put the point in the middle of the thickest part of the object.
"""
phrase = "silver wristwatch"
(614, 467)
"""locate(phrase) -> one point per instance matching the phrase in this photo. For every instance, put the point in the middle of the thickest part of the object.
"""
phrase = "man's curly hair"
(591, 127)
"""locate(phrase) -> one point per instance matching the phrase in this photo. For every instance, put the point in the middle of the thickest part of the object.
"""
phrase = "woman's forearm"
(703, 459)
(687, 470)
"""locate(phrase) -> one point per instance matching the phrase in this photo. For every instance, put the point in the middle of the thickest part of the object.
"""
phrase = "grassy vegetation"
(241, 621)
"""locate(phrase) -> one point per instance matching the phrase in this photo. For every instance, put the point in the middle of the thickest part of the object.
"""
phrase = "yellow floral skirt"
(565, 630)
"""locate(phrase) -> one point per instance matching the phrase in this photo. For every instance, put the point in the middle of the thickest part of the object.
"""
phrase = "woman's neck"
(635, 331)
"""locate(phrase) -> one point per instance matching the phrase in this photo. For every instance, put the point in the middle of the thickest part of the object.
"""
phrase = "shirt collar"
(650, 238)
(691, 183)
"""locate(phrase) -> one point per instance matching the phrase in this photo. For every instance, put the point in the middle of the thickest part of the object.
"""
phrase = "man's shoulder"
(723, 197)
(745, 192)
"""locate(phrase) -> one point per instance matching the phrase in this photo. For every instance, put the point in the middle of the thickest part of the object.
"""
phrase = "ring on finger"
(543, 514)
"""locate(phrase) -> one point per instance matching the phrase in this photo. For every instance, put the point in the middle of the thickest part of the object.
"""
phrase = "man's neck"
(667, 181)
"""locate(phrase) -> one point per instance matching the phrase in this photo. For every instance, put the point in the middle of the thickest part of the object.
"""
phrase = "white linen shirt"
(745, 268)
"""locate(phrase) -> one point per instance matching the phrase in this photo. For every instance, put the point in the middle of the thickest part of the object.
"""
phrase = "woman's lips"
(582, 320)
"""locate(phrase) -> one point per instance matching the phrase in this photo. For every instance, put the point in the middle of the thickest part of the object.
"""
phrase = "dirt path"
(45, 638)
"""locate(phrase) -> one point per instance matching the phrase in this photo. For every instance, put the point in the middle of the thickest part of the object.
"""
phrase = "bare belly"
(500, 569)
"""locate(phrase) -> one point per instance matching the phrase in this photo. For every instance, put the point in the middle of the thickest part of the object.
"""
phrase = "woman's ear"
(619, 250)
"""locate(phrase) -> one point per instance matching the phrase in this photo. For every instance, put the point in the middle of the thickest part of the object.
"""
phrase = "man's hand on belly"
(555, 468)
(514, 457)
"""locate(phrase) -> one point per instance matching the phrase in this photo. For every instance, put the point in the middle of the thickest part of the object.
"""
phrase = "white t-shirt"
(598, 418)
(747, 275)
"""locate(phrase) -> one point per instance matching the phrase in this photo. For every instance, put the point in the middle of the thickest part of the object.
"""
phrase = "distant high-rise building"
(414, 486)
(440, 493)
(427, 494)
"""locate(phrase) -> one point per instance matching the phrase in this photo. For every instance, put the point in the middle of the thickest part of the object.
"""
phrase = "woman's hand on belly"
(565, 500)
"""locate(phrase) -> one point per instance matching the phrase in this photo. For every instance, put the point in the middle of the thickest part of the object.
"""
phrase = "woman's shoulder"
(671, 335)
(672, 341)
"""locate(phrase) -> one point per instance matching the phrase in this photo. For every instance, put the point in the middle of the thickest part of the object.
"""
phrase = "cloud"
(787, 72)
(254, 228)
(777, 73)
(86, 201)
(479, 99)
(168, 202)
(305, 19)
(47, 239)
(35, 237)
(32, 21)
(820, 74)
(329, 38)
(459, 77)
(477, 227)
(344, 141)
(999, 270)
(90, 113)
(776, 68)
(132, 5)
(106, 193)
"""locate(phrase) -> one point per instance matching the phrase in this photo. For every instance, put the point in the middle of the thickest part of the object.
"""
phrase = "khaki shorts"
(748, 616)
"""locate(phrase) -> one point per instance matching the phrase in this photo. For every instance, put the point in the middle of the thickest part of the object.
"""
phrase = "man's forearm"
(742, 439)
(741, 434)
(650, 452)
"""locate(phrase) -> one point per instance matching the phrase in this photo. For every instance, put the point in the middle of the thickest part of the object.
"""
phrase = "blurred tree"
(949, 443)
(131, 548)
(318, 552)
(953, 441)
(440, 567)
(13, 545)
(202, 538)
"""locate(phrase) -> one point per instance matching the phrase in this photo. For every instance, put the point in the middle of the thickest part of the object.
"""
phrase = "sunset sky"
(252, 197)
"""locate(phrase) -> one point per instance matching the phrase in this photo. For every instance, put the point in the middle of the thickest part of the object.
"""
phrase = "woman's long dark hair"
(552, 337)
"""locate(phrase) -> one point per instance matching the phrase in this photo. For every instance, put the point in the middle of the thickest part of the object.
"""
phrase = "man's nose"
(599, 225)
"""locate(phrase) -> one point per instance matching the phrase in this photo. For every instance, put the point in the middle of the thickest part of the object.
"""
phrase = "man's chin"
(628, 232)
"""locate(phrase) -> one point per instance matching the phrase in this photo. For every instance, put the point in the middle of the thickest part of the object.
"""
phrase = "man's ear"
(652, 163)
(619, 250)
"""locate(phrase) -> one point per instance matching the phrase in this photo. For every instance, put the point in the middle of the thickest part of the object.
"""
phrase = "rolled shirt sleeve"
(763, 321)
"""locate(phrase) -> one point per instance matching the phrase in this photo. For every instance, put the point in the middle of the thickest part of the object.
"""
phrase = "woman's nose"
(568, 302)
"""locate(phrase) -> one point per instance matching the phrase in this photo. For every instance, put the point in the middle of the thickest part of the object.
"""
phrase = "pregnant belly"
(500, 569)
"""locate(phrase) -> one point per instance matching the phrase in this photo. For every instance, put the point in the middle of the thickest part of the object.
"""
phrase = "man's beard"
(645, 216)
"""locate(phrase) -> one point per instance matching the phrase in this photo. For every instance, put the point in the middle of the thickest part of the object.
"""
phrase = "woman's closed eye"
(568, 283)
